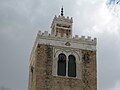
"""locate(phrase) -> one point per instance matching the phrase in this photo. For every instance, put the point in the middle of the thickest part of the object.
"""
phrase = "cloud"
(5, 88)
(99, 22)
(21, 20)
(117, 86)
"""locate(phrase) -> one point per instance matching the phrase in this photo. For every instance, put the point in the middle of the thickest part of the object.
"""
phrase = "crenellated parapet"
(88, 38)
(76, 38)
(63, 19)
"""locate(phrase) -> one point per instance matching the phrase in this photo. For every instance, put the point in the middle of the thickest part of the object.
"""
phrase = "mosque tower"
(61, 61)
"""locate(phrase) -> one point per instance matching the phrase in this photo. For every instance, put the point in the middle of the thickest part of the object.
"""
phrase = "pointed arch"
(71, 66)
(61, 70)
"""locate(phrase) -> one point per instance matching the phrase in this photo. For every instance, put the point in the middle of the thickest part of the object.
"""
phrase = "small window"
(71, 66)
(61, 65)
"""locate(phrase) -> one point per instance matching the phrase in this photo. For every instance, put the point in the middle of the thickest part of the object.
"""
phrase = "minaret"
(59, 61)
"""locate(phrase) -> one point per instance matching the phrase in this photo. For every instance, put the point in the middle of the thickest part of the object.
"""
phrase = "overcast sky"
(20, 20)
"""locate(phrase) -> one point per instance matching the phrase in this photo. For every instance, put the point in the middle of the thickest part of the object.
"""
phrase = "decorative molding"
(67, 44)
(67, 52)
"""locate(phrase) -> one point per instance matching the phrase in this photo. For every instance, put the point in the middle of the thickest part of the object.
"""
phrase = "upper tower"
(62, 26)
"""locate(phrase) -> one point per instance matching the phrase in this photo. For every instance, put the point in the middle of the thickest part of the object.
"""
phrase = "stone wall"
(44, 80)
(43, 67)
(66, 83)
(89, 70)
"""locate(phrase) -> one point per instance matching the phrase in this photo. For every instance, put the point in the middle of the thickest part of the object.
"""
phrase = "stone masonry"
(44, 80)
(43, 63)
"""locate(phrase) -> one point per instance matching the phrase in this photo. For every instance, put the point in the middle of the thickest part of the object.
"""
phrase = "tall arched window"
(61, 65)
(71, 66)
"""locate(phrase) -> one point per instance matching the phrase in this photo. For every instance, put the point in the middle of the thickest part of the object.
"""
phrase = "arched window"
(61, 65)
(71, 66)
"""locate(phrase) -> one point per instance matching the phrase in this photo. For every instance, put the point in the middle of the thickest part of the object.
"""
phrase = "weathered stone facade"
(44, 59)
(44, 80)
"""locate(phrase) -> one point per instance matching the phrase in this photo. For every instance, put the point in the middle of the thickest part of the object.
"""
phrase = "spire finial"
(62, 11)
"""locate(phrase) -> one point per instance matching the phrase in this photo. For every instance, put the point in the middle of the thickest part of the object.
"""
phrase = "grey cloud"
(4, 88)
(108, 61)
(20, 22)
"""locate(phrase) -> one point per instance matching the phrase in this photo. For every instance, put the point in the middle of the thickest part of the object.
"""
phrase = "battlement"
(76, 38)
(88, 38)
(63, 19)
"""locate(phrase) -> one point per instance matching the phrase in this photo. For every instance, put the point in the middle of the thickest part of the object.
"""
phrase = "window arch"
(61, 65)
(71, 66)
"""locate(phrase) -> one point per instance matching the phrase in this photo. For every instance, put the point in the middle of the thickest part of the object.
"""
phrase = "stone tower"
(60, 61)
